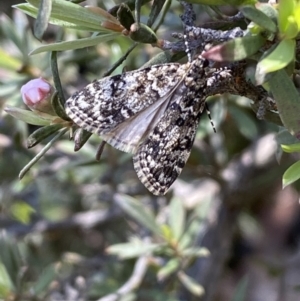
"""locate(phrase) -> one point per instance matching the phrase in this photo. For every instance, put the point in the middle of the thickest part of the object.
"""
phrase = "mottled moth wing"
(124, 109)
(152, 112)
(160, 160)
(162, 156)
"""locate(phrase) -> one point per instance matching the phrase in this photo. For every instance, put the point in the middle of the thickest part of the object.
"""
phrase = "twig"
(83, 220)
(188, 17)
(119, 61)
(132, 283)
(240, 177)
(28, 166)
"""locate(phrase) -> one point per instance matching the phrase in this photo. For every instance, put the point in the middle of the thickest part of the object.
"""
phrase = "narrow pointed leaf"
(155, 10)
(223, 2)
(190, 284)
(195, 225)
(236, 49)
(6, 285)
(76, 44)
(195, 252)
(279, 58)
(29, 116)
(58, 107)
(138, 212)
(169, 268)
(80, 138)
(125, 16)
(285, 9)
(291, 148)
(259, 18)
(33, 11)
(287, 100)
(142, 33)
(240, 293)
(177, 218)
(42, 19)
(47, 275)
(291, 175)
(132, 249)
(68, 13)
(9, 62)
(42, 133)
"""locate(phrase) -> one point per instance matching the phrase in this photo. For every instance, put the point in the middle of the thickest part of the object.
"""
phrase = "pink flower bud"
(37, 95)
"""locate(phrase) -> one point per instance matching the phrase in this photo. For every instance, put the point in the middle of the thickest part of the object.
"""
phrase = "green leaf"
(169, 268)
(285, 9)
(10, 31)
(9, 62)
(10, 255)
(259, 18)
(58, 105)
(156, 8)
(245, 124)
(137, 211)
(297, 14)
(285, 137)
(223, 2)
(195, 252)
(142, 33)
(42, 133)
(166, 232)
(47, 275)
(22, 211)
(269, 10)
(279, 58)
(42, 19)
(33, 11)
(160, 58)
(292, 29)
(133, 249)
(190, 284)
(76, 44)
(80, 138)
(236, 49)
(241, 290)
(287, 100)
(73, 13)
(68, 14)
(42, 152)
(125, 16)
(291, 148)
(176, 218)
(291, 175)
(196, 223)
(6, 285)
(35, 118)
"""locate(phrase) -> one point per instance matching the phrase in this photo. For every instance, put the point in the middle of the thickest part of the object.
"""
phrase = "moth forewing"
(152, 112)
(127, 136)
(162, 156)
(105, 107)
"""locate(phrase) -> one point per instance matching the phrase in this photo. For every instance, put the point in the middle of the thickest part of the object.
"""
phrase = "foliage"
(81, 230)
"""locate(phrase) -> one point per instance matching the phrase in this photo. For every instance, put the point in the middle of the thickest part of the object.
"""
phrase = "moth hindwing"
(152, 113)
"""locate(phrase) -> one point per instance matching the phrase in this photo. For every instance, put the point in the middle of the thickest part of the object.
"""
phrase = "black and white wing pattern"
(123, 109)
(152, 113)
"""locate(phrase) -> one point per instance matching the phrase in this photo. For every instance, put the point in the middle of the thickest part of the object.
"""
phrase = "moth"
(152, 113)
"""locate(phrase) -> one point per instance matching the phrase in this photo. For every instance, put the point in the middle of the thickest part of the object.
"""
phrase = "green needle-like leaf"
(137, 211)
(291, 175)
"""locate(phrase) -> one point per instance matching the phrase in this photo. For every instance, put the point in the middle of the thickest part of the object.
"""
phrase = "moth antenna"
(209, 116)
